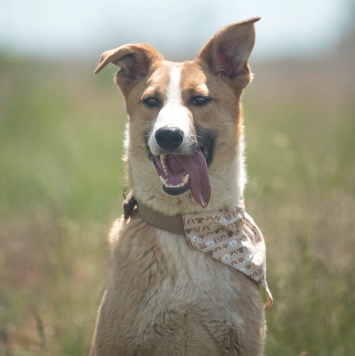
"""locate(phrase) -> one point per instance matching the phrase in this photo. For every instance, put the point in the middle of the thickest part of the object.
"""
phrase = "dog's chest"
(195, 279)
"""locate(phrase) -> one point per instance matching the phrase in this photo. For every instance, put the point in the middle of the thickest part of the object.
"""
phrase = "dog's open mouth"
(178, 173)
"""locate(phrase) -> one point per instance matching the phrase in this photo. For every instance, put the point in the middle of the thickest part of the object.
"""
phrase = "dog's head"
(184, 134)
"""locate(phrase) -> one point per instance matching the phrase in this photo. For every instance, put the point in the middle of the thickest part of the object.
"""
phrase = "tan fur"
(164, 297)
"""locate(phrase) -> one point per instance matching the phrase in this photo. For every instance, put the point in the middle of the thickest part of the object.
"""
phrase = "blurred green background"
(61, 182)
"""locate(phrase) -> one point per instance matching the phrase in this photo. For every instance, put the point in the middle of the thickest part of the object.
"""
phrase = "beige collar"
(229, 235)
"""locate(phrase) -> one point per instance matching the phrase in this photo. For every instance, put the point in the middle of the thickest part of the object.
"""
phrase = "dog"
(176, 288)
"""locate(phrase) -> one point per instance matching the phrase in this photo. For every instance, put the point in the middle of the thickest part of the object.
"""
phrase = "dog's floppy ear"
(227, 53)
(134, 60)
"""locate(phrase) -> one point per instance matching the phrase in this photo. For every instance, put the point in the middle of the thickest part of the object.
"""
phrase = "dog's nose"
(169, 138)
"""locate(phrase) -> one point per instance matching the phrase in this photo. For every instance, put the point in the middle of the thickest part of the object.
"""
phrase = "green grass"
(61, 182)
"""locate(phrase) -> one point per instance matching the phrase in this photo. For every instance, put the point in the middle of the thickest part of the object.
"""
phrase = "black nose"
(169, 138)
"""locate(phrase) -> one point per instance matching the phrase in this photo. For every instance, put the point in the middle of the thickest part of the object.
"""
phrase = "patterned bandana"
(231, 237)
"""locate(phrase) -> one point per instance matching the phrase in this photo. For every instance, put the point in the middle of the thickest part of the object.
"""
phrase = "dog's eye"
(151, 102)
(200, 100)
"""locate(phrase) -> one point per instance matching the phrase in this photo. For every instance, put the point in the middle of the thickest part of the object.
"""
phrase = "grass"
(61, 182)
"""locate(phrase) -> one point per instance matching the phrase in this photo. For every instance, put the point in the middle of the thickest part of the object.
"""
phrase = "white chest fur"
(195, 279)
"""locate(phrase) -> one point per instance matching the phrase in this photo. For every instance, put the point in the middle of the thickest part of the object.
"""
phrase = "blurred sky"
(84, 28)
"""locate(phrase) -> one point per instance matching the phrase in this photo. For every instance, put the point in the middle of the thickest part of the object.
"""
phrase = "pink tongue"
(196, 167)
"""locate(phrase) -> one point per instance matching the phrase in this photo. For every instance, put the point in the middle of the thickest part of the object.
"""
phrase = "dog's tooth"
(163, 180)
(185, 179)
(162, 161)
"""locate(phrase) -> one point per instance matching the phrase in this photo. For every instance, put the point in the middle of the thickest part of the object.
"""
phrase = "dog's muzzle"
(179, 172)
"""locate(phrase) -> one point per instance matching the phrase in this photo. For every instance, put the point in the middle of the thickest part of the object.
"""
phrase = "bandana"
(231, 237)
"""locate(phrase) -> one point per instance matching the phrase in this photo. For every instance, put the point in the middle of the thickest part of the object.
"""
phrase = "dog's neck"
(225, 235)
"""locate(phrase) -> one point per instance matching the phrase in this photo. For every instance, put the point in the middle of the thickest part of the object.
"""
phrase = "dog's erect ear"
(134, 59)
(227, 53)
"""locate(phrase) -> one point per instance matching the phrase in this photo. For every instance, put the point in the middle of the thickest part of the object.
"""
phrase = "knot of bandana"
(231, 237)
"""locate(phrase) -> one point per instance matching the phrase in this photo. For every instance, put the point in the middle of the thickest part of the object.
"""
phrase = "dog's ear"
(227, 53)
(134, 60)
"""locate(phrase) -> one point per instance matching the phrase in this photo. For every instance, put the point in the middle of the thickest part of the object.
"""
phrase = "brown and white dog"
(184, 153)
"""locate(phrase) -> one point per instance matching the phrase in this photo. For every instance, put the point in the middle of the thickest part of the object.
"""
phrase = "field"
(61, 182)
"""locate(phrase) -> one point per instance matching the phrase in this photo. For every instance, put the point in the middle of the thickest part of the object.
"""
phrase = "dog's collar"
(172, 224)
(230, 236)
